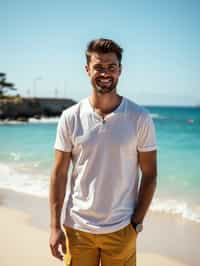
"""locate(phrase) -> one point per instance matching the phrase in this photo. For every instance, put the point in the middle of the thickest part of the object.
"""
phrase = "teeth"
(104, 80)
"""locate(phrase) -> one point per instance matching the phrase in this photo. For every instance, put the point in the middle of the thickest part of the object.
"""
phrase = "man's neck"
(105, 103)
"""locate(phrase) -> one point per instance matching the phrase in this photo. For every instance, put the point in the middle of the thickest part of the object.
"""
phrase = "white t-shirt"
(105, 175)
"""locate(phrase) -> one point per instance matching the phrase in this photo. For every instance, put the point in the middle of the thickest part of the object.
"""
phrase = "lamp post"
(35, 85)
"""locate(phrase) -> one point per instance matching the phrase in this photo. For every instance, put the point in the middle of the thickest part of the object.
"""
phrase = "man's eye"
(99, 69)
(112, 68)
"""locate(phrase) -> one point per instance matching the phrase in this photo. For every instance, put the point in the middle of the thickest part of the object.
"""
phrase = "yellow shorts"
(112, 249)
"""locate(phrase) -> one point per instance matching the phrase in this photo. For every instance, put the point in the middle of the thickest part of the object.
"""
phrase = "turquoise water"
(26, 157)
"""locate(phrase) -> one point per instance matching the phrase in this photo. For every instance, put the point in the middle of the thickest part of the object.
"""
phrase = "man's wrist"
(55, 226)
(137, 227)
(136, 220)
(137, 224)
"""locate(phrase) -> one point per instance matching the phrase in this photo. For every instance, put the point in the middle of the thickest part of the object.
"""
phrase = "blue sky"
(42, 46)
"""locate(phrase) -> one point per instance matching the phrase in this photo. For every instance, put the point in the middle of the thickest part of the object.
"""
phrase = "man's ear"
(120, 69)
(87, 69)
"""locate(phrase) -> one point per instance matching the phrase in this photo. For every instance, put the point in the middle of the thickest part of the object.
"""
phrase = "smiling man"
(108, 138)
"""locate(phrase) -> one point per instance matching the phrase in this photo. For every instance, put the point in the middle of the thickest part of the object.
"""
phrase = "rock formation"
(23, 108)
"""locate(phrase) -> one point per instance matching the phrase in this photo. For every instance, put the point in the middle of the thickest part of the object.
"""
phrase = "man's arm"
(57, 194)
(148, 166)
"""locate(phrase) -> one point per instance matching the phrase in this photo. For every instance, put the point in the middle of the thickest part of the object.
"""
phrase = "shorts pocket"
(133, 229)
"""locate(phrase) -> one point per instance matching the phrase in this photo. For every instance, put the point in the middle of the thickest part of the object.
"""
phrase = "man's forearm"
(57, 195)
(146, 192)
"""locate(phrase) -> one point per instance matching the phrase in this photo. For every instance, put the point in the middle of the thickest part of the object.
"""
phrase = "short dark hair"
(103, 46)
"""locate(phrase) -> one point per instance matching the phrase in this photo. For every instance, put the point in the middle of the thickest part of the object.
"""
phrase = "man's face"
(104, 71)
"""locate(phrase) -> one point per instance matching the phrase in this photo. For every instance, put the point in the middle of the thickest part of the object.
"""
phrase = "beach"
(24, 228)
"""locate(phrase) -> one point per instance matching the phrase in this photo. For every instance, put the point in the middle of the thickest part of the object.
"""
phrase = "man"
(108, 138)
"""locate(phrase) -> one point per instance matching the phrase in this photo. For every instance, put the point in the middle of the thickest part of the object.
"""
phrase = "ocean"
(26, 158)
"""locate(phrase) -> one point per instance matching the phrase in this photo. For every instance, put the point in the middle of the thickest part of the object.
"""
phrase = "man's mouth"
(104, 82)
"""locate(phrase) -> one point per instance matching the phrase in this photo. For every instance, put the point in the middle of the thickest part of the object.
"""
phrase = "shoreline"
(30, 120)
(20, 177)
(167, 239)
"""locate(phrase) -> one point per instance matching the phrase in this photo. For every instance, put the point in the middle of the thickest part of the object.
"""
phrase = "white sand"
(22, 244)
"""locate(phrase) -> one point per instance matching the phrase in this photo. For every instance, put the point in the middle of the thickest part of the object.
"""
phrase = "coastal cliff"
(23, 108)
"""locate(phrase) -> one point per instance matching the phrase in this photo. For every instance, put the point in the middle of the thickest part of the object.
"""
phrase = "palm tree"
(4, 85)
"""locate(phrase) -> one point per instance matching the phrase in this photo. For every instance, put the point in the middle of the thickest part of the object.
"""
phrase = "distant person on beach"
(110, 140)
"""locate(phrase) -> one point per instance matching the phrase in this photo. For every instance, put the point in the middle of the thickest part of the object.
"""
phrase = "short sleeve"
(146, 137)
(63, 138)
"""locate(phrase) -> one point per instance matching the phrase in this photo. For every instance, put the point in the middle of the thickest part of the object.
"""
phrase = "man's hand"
(57, 241)
(57, 194)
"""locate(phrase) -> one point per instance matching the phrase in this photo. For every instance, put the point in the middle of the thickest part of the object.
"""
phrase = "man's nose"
(104, 72)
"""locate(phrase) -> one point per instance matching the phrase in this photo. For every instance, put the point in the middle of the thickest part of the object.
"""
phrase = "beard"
(105, 87)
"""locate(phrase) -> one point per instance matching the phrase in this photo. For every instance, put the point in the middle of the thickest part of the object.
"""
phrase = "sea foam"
(157, 116)
(174, 206)
(25, 182)
(36, 184)
(42, 120)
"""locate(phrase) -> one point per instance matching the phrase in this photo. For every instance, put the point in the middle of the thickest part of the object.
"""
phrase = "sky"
(43, 43)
